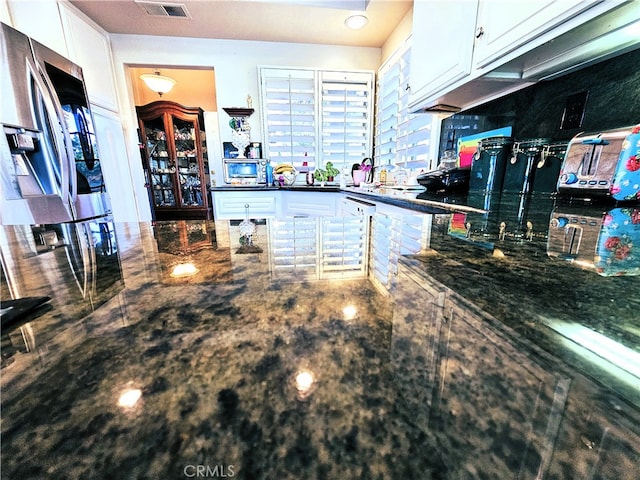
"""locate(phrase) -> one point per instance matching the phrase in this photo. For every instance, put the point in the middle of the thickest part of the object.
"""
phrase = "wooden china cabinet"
(174, 156)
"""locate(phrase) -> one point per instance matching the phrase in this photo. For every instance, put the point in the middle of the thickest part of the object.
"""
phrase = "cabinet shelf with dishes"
(175, 157)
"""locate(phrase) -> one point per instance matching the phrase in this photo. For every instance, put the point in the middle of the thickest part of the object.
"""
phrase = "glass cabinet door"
(189, 174)
(161, 165)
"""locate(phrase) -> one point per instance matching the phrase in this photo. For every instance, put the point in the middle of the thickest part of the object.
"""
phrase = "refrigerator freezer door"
(15, 48)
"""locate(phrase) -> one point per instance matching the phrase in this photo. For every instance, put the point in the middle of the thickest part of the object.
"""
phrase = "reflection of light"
(349, 312)
(600, 347)
(305, 381)
(129, 398)
(184, 270)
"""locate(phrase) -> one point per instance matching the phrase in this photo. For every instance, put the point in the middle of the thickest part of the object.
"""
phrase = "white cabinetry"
(471, 51)
(90, 48)
(311, 204)
(442, 45)
(504, 25)
(40, 21)
(237, 205)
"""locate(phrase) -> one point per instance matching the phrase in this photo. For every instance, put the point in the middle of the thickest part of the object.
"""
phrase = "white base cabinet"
(311, 204)
(242, 204)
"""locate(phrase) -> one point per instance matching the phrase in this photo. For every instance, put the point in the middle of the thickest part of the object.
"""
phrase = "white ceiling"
(296, 21)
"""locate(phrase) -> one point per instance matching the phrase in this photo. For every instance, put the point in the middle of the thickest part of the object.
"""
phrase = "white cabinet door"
(309, 204)
(504, 25)
(442, 45)
(238, 205)
(91, 50)
(41, 21)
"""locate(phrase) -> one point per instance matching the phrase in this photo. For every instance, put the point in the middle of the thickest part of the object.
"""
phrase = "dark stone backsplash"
(613, 101)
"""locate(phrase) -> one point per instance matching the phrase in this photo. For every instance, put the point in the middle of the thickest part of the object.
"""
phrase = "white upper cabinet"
(504, 25)
(442, 45)
(40, 21)
(89, 47)
(466, 52)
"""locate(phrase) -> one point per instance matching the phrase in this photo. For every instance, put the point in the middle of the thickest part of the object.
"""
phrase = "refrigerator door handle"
(44, 96)
(67, 143)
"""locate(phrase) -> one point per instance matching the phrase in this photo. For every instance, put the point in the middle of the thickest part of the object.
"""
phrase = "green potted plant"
(320, 175)
(331, 171)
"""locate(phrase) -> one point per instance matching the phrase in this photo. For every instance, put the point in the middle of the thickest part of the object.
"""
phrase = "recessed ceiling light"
(356, 22)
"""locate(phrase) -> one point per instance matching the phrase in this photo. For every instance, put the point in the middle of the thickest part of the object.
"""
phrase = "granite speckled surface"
(429, 379)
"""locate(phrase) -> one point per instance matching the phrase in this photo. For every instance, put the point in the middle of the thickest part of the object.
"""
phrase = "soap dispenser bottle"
(268, 170)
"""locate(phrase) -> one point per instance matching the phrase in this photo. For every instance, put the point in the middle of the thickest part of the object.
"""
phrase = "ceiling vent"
(157, 9)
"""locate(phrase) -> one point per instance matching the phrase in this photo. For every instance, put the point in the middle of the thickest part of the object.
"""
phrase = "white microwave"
(241, 171)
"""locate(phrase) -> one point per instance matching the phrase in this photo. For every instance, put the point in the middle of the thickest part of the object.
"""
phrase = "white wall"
(235, 63)
(399, 35)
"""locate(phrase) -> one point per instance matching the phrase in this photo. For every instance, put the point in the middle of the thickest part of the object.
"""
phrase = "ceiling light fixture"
(158, 83)
(356, 21)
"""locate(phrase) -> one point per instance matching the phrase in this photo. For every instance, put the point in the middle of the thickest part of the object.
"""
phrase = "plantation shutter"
(289, 115)
(414, 130)
(402, 138)
(387, 111)
(346, 117)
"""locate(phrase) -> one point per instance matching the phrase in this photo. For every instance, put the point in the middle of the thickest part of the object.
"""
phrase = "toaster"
(603, 164)
(606, 242)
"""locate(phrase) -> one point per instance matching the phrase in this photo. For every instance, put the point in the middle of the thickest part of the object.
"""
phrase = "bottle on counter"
(343, 177)
(268, 170)
(383, 176)
(310, 178)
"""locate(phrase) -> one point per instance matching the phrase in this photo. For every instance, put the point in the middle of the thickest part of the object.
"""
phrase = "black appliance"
(450, 180)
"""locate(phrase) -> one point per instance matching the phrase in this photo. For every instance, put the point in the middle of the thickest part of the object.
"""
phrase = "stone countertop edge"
(425, 206)
(264, 188)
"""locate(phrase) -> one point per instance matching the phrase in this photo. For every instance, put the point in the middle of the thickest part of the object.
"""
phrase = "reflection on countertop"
(415, 345)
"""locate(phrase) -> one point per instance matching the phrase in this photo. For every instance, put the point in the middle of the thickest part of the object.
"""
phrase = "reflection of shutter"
(391, 238)
(294, 248)
(346, 117)
(381, 253)
(344, 242)
(402, 138)
(319, 248)
(289, 115)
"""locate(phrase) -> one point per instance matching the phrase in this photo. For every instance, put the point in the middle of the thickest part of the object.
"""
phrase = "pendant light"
(158, 83)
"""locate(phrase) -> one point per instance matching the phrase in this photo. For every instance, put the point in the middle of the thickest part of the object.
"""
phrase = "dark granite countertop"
(423, 345)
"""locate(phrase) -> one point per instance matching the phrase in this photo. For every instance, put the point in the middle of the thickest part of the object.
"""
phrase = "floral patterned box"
(626, 181)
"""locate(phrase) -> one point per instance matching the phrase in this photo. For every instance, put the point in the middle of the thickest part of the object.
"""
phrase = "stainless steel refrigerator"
(50, 169)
